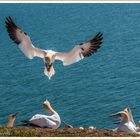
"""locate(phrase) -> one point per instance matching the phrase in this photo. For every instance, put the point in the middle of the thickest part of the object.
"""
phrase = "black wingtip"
(95, 43)
(98, 37)
(99, 34)
(8, 19)
(11, 29)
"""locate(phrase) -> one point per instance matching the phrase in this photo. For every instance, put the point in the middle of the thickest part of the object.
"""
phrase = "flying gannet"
(51, 121)
(78, 53)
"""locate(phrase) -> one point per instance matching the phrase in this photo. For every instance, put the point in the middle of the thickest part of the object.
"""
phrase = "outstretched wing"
(92, 45)
(81, 51)
(22, 40)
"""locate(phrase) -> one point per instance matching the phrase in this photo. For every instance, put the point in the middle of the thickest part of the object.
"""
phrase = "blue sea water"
(84, 93)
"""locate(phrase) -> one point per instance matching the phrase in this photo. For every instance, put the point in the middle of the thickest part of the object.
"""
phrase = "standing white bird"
(52, 120)
(126, 124)
(76, 54)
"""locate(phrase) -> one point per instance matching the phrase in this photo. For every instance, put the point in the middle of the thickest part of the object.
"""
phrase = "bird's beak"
(15, 115)
(117, 115)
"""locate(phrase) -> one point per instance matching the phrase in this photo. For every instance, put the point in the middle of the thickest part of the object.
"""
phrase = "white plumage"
(76, 54)
(43, 121)
(52, 120)
(126, 124)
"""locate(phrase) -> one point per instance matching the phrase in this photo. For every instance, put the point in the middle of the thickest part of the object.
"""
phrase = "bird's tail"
(22, 124)
(65, 123)
(27, 123)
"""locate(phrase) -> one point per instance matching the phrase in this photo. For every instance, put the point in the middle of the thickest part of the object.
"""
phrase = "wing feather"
(12, 29)
(91, 47)
(22, 40)
(81, 51)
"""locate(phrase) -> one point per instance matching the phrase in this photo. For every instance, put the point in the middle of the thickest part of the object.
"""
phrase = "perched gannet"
(66, 125)
(11, 119)
(126, 124)
(52, 121)
(76, 54)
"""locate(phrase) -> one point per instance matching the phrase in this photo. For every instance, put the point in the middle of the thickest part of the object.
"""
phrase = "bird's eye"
(25, 33)
(81, 44)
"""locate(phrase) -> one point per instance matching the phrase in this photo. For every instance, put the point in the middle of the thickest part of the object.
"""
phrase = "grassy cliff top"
(73, 132)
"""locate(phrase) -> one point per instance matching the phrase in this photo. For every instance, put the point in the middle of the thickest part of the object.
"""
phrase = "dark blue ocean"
(84, 93)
